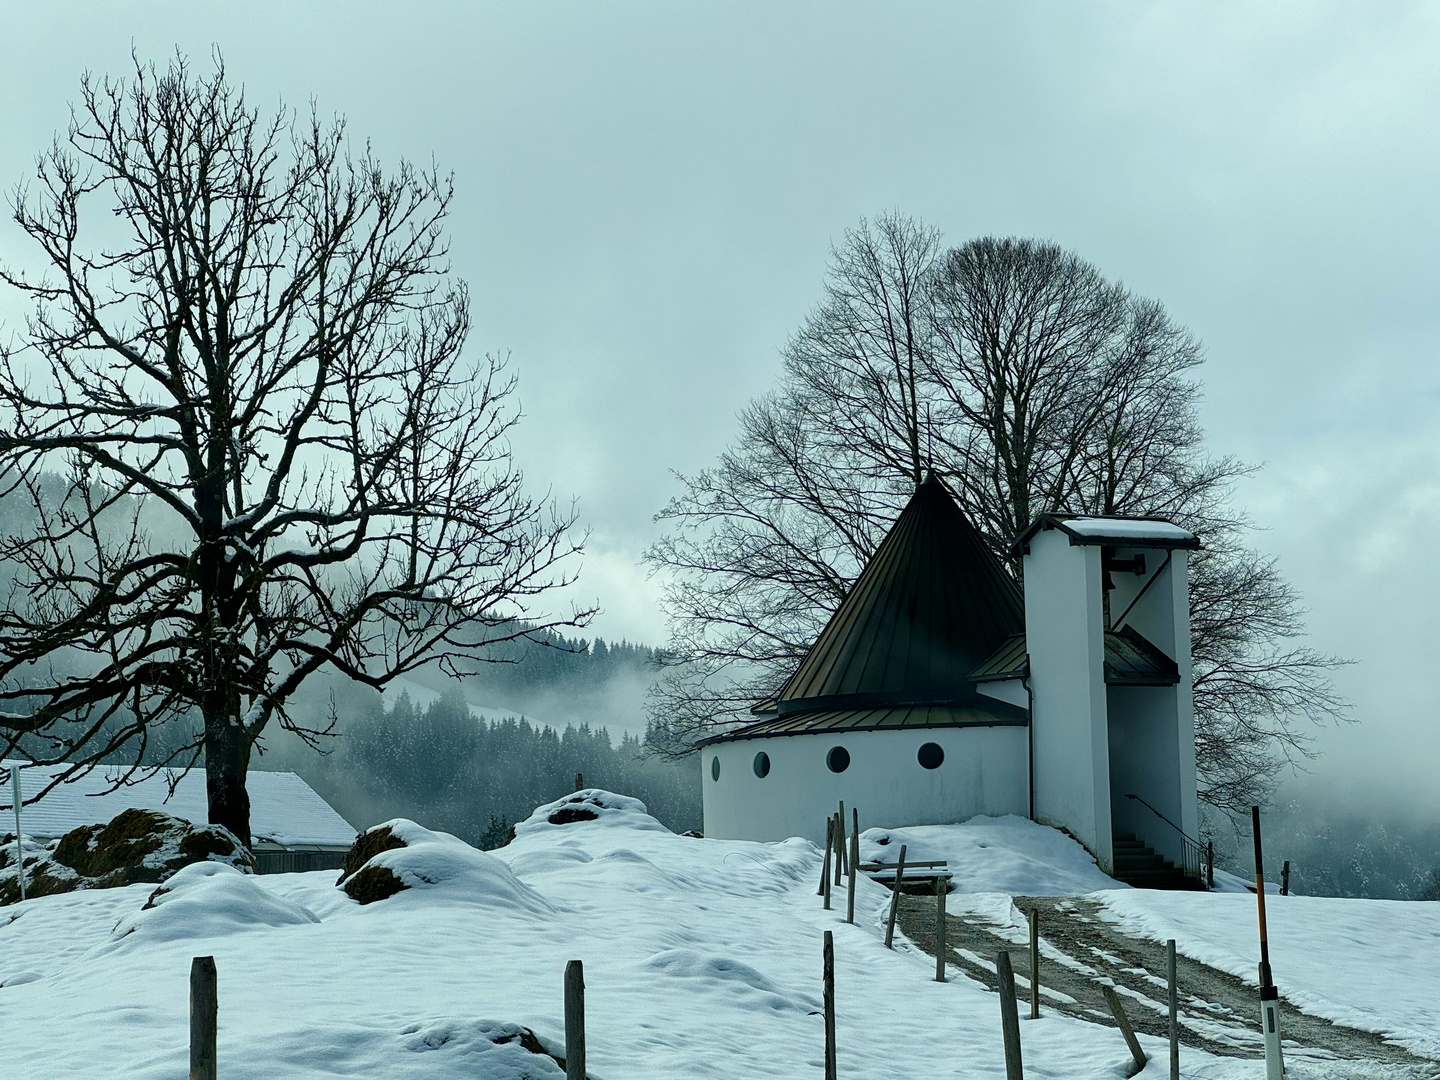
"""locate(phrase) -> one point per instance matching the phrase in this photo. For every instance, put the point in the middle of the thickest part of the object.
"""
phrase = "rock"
(367, 884)
(135, 846)
(367, 845)
(373, 883)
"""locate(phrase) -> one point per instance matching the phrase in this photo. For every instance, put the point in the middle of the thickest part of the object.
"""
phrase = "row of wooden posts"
(842, 859)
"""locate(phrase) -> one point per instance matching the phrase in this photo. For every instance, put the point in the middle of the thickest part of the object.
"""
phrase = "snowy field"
(702, 959)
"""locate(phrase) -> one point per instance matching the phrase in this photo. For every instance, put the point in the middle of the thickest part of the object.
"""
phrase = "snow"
(1009, 854)
(283, 808)
(1368, 964)
(702, 959)
(1128, 529)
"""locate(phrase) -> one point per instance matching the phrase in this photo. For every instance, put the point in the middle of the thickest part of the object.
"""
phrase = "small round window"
(931, 756)
(762, 764)
(838, 759)
(714, 768)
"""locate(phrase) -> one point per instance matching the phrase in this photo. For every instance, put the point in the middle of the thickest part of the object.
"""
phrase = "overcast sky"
(647, 194)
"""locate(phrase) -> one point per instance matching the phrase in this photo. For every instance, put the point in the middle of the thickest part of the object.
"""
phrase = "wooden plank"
(873, 866)
(204, 1018)
(895, 900)
(829, 975)
(574, 1021)
(1009, 1018)
(1117, 1010)
(844, 866)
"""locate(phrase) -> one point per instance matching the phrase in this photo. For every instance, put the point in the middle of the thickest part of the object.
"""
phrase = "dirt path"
(1218, 1012)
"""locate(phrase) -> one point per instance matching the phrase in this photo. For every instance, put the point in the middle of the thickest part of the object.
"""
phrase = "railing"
(1196, 860)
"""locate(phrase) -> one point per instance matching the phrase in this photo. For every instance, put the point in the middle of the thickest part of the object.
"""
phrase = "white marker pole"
(1269, 996)
(19, 850)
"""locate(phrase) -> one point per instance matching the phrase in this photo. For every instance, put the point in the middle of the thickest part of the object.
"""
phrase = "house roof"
(991, 713)
(930, 605)
(283, 808)
(1132, 532)
(1130, 660)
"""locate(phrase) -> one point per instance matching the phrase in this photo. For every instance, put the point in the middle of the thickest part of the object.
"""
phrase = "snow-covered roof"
(283, 808)
(1117, 531)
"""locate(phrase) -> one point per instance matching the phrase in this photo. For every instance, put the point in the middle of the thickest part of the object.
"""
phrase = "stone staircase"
(1138, 865)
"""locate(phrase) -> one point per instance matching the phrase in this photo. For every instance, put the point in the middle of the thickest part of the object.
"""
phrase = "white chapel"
(939, 691)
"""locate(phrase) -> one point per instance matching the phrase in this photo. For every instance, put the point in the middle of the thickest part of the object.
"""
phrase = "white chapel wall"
(985, 771)
(1064, 634)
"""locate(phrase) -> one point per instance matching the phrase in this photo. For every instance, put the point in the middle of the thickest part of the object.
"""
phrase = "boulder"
(134, 846)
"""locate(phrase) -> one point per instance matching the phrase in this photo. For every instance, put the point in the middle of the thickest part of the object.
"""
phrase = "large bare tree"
(246, 365)
(1029, 382)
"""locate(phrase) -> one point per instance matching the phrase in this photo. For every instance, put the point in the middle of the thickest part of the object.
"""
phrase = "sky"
(647, 194)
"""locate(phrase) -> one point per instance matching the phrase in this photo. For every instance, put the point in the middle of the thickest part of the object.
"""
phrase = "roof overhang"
(1129, 532)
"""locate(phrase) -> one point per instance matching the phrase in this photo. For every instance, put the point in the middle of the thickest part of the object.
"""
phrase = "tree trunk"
(227, 756)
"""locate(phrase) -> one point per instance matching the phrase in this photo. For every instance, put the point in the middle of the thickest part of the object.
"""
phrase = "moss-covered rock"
(367, 845)
(134, 846)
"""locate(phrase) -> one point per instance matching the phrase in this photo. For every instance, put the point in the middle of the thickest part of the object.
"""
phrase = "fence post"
(19, 846)
(1009, 1018)
(579, 781)
(844, 866)
(1285, 879)
(204, 1013)
(1174, 1010)
(895, 900)
(854, 867)
(825, 866)
(829, 973)
(942, 886)
(1117, 1010)
(1034, 963)
(1210, 863)
(574, 1020)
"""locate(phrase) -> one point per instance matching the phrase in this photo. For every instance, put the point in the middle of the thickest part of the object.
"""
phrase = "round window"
(714, 768)
(931, 756)
(762, 764)
(838, 759)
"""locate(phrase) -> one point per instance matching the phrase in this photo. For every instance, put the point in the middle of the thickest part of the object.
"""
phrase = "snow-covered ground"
(702, 959)
(1368, 964)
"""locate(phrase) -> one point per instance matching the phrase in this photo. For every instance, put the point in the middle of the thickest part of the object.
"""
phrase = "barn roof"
(931, 605)
(283, 808)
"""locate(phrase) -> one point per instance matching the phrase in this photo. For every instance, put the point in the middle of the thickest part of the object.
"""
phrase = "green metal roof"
(991, 713)
(1130, 660)
(931, 605)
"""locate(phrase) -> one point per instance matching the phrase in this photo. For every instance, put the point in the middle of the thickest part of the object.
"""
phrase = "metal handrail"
(1193, 857)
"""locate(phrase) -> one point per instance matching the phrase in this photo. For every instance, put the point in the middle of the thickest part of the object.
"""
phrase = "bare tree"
(1031, 383)
(245, 360)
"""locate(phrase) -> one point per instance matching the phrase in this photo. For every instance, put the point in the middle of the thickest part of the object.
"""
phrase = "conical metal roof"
(932, 604)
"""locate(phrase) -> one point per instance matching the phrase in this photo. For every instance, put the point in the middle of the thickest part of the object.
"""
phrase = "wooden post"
(574, 1020)
(895, 900)
(1285, 879)
(19, 847)
(942, 886)
(839, 847)
(204, 1014)
(1174, 1010)
(579, 781)
(1009, 1018)
(1210, 863)
(1117, 1010)
(829, 846)
(854, 867)
(829, 973)
(1034, 963)
(844, 847)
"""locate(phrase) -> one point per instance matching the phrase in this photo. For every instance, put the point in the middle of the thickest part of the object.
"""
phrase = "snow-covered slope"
(702, 959)
(1369, 964)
